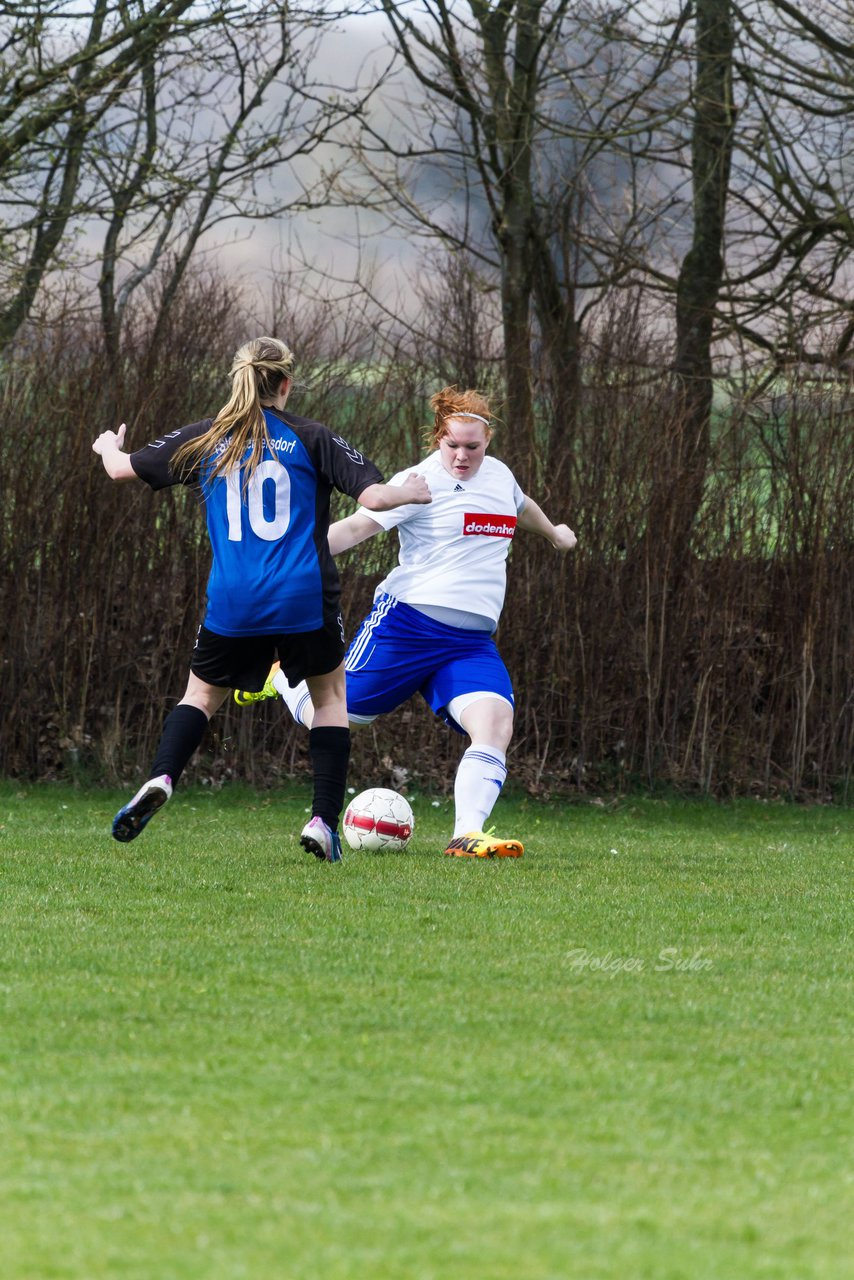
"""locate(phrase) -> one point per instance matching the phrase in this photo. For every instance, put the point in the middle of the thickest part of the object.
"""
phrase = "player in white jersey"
(431, 628)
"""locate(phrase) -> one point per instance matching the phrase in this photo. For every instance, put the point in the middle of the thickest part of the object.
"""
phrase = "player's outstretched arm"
(385, 497)
(533, 519)
(117, 463)
(350, 531)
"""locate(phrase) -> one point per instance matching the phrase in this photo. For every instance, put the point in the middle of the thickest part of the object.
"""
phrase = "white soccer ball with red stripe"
(378, 819)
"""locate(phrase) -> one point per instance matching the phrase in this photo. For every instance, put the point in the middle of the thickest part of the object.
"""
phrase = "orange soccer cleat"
(479, 844)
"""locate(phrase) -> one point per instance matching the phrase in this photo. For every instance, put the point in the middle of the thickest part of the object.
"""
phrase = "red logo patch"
(489, 526)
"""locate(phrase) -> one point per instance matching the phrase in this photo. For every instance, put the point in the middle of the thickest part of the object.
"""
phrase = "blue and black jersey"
(272, 572)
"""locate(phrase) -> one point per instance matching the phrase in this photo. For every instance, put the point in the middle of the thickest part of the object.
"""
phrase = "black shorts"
(243, 662)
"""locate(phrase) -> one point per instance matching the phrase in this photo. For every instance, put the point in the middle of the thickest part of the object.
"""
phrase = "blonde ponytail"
(257, 372)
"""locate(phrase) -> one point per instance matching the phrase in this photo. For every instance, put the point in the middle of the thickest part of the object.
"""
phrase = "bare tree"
(513, 141)
(60, 72)
(482, 70)
(181, 116)
(788, 291)
(187, 168)
(762, 144)
(701, 273)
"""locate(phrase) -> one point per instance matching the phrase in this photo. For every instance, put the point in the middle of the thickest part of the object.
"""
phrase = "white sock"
(477, 786)
(298, 699)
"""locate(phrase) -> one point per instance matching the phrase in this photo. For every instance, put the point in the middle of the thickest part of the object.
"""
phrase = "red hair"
(450, 402)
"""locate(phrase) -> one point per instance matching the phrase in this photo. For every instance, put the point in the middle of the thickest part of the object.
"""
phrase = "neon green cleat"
(244, 699)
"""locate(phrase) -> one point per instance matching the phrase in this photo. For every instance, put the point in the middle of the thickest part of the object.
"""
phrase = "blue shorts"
(399, 651)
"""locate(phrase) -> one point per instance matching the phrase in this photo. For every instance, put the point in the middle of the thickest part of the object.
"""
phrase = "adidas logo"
(458, 488)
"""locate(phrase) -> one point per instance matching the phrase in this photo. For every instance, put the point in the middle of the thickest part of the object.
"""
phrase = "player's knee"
(489, 720)
(328, 689)
(205, 697)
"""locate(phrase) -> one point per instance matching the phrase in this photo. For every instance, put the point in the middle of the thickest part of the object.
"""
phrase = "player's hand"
(417, 489)
(564, 539)
(109, 440)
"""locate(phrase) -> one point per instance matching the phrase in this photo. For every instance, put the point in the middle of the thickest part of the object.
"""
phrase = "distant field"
(627, 1055)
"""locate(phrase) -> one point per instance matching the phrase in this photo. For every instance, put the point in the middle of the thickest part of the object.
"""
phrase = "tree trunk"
(512, 75)
(702, 269)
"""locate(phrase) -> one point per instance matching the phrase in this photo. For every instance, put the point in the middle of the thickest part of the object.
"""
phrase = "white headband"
(485, 421)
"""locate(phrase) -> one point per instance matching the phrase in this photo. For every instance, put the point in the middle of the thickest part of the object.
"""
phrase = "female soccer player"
(431, 628)
(265, 478)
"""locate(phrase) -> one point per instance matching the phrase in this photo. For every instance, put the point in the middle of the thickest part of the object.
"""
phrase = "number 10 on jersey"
(270, 524)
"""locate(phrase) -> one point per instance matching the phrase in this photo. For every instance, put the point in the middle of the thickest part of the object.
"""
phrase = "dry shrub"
(721, 662)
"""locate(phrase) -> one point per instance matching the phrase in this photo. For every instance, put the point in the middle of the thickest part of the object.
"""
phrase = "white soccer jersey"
(453, 551)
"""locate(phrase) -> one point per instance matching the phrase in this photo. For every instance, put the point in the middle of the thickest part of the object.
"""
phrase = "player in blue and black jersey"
(265, 477)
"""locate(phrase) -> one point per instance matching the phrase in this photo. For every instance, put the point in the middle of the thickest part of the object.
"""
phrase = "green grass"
(222, 1059)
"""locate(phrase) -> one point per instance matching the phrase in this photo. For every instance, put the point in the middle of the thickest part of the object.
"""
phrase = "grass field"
(627, 1055)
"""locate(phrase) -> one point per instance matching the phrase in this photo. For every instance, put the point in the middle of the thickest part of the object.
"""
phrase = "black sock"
(182, 733)
(330, 755)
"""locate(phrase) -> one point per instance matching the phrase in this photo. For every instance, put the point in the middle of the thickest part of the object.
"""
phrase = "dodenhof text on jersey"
(492, 526)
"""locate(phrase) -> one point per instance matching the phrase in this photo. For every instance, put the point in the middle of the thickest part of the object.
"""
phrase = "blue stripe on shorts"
(398, 651)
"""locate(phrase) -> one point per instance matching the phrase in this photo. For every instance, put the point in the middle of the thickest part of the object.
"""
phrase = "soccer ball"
(378, 819)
